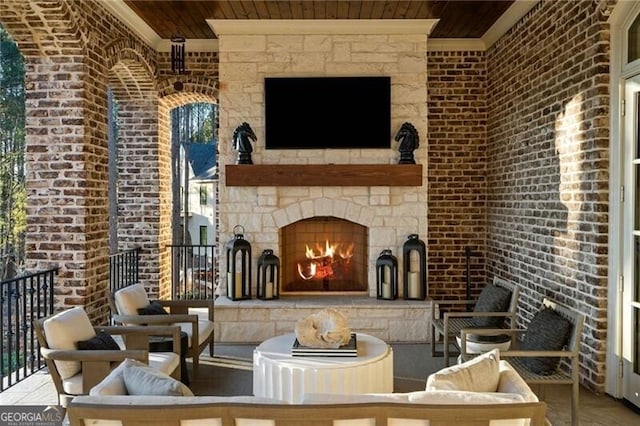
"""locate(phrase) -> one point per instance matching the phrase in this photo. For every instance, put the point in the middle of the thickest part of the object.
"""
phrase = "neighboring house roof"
(202, 158)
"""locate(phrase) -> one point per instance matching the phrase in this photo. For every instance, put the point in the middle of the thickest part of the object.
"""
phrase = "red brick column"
(66, 168)
(144, 188)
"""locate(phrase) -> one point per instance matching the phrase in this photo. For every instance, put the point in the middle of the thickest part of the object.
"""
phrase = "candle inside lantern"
(238, 285)
(269, 290)
(414, 289)
(386, 290)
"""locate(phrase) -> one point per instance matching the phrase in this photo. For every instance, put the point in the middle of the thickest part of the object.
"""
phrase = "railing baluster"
(193, 271)
(3, 371)
(10, 332)
(123, 268)
(21, 301)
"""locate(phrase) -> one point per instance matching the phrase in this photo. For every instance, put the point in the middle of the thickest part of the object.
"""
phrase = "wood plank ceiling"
(458, 19)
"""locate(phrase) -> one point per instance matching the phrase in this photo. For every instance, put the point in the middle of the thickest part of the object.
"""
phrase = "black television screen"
(327, 112)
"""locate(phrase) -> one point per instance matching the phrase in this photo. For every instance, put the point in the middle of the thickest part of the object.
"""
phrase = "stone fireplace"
(323, 254)
(388, 208)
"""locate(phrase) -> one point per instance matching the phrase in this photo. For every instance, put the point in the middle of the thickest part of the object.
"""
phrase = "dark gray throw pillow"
(547, 331)
(101, 341)
(492, 299)
(154, 308)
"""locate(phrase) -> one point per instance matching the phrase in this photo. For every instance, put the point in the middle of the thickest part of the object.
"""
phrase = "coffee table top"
(278, 349)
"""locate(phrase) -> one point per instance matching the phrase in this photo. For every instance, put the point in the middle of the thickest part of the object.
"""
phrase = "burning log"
(325, 264)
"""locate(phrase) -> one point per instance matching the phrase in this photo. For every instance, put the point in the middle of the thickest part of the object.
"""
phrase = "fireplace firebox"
(324, 254)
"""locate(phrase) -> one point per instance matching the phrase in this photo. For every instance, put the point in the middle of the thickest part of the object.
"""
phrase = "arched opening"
(194, 183)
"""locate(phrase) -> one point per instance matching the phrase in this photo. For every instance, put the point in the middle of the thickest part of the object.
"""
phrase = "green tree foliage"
(196, 123)
(12, 148)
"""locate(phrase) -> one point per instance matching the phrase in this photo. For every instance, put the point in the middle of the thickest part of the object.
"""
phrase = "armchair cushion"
(480, 374)
(153, 308)
(205, 328)
(101, 341)
(63, 331)
(493, 298)
(547, 331)
(129, 299)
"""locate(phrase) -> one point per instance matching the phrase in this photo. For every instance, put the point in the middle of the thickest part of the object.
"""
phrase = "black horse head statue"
(409, 141)
(242, 137)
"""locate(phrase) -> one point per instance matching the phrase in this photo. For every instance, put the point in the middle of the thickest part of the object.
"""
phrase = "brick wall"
(547, 166)
(64, 43)
(139, 208)
(73, 49)
(457, 189)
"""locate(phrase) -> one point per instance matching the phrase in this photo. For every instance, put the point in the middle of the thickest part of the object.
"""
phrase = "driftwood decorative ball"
(325, 329)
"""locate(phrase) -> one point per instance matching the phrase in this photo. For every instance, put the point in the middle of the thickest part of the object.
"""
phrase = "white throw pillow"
(481, 374)
(62, 331)
(144, 380)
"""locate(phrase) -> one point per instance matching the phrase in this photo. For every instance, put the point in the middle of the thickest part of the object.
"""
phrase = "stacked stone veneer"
(257, 320)
(391, 213)
(547, 166)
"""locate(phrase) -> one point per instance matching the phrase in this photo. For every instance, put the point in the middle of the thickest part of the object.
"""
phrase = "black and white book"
(350, 349)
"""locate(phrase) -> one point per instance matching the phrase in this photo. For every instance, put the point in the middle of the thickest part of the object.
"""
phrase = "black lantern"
(387, 276)
(414, 272)
(238, 266)
(268, 275)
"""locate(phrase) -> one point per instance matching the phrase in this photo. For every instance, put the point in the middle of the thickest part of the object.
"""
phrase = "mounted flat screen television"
(327, 112)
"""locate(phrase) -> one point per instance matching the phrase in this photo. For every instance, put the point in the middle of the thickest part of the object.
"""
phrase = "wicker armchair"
(449, 325)
(562, 375)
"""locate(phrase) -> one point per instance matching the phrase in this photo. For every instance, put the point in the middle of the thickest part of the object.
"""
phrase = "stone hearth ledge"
(253, 321)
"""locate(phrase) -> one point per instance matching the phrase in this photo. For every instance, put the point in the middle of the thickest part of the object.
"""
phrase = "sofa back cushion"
(512, 382)
(63, 331)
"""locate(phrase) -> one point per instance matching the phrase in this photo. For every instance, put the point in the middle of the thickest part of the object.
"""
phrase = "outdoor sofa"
(456, 395)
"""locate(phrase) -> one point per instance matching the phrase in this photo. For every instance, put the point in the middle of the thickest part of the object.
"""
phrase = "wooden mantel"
(323, 174)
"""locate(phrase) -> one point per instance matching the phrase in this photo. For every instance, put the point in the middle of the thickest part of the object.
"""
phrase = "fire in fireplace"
(324, 254)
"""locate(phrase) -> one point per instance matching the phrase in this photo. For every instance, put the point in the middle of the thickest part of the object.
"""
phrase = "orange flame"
(320, 260)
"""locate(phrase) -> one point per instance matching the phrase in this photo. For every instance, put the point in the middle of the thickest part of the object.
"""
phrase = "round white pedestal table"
(278, 375)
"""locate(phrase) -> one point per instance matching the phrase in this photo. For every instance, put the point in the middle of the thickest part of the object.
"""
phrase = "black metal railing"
(23, 299)
(193, 271)
(124, 268)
